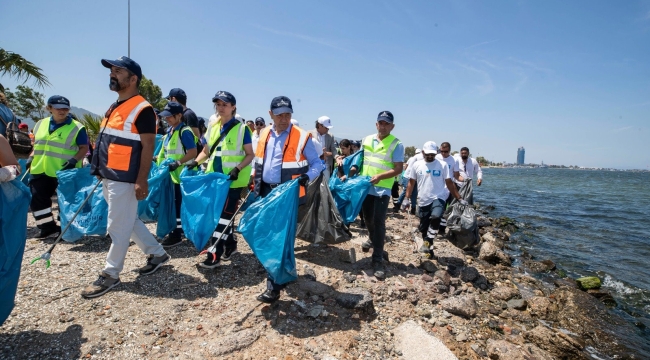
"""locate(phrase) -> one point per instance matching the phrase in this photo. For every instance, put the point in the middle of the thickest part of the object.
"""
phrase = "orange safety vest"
(118, 150)
(294, 162)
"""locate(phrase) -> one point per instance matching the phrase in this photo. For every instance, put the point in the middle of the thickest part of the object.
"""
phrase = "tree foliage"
(19, 68)
(152, 93)
(27, 103)
(92, 124)
(409, 151)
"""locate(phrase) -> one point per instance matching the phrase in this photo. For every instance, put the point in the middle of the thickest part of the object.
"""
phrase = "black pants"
(178, 200)
(394, 191)
(43, 187)
(374, 210)
(227, 213)
(430, 216)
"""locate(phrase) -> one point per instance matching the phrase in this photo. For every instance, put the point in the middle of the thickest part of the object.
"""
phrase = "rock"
(449, 254)
(488, 237)
(504, 293)
(469, 274)
(461, 305)
(356, 298)
(443, 276)
(550, 265)
(428, 266)
(349, 277)
(483, 222)
(503, 350)
(603, 296)
(309, 273)
(234, 341)
(461, 337)
(517, 304)
(426, 278)
(539, 306)
(315, 311)
(556, 344)
(314, 287)
(479, 350)
(589, 282)
(413, 342)
(490, 253)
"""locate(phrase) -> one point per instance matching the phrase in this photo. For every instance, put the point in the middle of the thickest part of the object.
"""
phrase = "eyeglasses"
(259, 123)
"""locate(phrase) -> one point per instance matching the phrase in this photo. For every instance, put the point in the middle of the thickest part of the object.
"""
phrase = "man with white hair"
(326, 141)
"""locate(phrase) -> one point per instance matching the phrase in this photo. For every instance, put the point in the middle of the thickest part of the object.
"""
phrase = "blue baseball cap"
(178, 93)
(58, 102)
(126, 63)
(260, 119)
(281, 105)
(225, 97)
(172, 108)
(386, 116)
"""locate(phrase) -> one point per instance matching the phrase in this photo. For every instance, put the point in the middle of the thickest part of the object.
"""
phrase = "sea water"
(589, 222)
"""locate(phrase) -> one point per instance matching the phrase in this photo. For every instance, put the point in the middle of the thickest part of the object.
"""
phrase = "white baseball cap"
(325, 121)
(430, 147)
(295, 122)
(418, 150)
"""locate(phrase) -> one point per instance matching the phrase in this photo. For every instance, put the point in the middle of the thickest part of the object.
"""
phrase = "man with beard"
(122, 157)
(467, 168)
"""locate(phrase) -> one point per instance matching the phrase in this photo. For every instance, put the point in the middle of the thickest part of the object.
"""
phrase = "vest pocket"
(119, 157)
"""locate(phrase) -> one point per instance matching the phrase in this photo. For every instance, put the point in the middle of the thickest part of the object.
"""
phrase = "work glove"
(234, 174)
(406, 204)
(190, 165)
(173, 166)
(28, 164)
(70, 164)
(303, 180)
(463, 202)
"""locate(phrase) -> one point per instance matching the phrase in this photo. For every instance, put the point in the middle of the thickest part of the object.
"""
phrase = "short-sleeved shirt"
(187, 137)
(409, 164)
(450, 161)
(247, 140)
(190, 118)
(7, 116)
(82, 135)
(430, 179)
(397, 156)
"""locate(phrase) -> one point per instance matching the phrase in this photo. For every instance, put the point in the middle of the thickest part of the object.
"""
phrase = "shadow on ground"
(35, 344)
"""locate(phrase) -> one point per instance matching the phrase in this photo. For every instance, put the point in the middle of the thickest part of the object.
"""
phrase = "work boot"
(171, 241)
(101, 286)
(154, 263)
(379, 270)
(48, 230)
(366, 246)
(211, 262)
(426, 247)
(229, 253)
(269, 296)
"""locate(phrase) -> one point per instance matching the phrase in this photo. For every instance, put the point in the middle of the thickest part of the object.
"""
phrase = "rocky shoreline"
(459, 305)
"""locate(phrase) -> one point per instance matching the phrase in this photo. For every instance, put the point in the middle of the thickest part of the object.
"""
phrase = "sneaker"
(426, 247)
(101, 286)
(366, 246)
(153, 264)
(378, 269)
(49, 230)
(269, 296)
(228, 254)
(171, 240)
(211, 262)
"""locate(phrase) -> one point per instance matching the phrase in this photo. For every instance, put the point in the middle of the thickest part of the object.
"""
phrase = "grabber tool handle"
(231, 220)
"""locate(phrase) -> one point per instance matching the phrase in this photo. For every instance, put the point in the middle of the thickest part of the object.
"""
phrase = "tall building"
(521, 153)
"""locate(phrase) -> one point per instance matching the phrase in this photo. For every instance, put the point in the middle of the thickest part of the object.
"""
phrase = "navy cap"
(172, 108)
(224, 96)
(385, 116)
(58, 102)
(126, 63)
(259, 118)
(178, 93)
(281, 105)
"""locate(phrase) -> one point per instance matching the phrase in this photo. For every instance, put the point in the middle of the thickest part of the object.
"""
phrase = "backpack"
(20, 142)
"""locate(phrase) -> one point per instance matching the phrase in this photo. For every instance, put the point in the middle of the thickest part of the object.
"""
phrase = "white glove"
(8, 173)
(85, 162)
(406, 204)
(463, 202)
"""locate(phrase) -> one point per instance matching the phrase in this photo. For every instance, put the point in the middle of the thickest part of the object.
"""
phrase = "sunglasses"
(259, 123)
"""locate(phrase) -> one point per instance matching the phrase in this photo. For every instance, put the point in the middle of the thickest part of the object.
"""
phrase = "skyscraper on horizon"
(521, 154)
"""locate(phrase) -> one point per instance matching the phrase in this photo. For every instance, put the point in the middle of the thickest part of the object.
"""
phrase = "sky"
(567, 80)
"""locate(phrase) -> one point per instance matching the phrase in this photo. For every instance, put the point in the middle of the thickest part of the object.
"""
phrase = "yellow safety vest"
(51, 151)
(378, 159)
(231, 151)
(174, 150)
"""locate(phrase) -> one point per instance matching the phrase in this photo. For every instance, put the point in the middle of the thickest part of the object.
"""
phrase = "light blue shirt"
(273, 157)
(397, 156)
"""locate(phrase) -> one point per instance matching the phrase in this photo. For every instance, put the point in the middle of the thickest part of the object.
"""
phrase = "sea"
(589, 222)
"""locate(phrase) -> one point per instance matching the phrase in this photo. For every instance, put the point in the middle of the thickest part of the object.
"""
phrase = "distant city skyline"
(521, 156)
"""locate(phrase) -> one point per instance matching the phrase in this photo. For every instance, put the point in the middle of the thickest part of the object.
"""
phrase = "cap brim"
(214, 99)
(110, 63)
(165, 113)
(282, 110)
(384, 118)
(60, 106)
(430, 152)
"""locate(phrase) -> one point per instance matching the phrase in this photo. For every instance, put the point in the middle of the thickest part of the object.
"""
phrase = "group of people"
(252, 154)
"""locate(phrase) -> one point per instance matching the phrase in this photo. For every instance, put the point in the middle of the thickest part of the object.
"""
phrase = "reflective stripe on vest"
(174, 150)
(51, 151)
(231, 151)
(118, 148)
(377, 160)
(294, 162)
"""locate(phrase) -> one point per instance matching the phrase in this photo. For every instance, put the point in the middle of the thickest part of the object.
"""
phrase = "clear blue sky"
(568, 80)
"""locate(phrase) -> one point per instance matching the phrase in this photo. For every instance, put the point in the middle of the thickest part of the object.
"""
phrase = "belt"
(272, 186)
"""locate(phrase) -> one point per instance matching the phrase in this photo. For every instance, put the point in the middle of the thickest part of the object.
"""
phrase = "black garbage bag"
(461, 220)
(319, 221)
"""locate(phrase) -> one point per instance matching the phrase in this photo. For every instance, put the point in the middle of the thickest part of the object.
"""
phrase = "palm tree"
(92, 124)
(18, 67)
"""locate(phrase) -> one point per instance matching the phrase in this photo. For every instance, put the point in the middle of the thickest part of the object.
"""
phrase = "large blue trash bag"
(22, 163)
(353, 159)
(204, 196)
(158, 144)
(349, 196)
(74, 186)
(14, 203)
(269, 227)
(159, 204)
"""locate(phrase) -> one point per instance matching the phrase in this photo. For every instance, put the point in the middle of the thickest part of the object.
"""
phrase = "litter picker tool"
(213, 248)
(46, 255)
(25, 174)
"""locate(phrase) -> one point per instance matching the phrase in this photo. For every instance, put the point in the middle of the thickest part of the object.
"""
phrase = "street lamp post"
(129, 29)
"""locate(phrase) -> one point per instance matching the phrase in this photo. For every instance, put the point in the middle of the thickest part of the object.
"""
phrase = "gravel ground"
(336, 310)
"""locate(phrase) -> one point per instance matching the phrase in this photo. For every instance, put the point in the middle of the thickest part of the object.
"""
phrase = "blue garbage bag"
(14, 203)
(269, 227)
(204, 196)
(23, 169)
(159, 204)
(158, 144)
(74, 186)
(349, 195)
(349, 161)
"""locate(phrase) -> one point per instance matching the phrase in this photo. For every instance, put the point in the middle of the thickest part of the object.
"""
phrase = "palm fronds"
(18, 67)
(92, 124)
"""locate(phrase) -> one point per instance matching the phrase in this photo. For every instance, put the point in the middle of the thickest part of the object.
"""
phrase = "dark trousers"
(265, 189)
(430, 216)
(178, 200)
(394, 191)
(229, 209)
(374, 210)
(43, 187)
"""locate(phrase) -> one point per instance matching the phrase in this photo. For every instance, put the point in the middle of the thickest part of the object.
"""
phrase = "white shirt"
(410, 162)
(451, 162)
(430, 178)
(255, 139)
(318, 145)
(467, 171)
